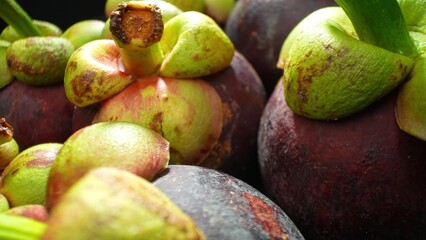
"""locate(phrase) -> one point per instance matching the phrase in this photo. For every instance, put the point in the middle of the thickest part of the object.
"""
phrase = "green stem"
(137, 27)
(380, 23)
(15, 16)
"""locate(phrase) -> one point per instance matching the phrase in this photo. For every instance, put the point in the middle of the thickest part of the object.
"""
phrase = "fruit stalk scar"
(137, 27)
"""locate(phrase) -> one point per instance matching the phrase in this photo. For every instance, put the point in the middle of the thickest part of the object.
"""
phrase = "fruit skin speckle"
(359, 178)
(224, 207)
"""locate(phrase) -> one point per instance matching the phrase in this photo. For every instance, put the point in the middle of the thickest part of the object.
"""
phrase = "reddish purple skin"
(224, 207)
(357, 178)
(240, 89)
(83, 116)
(258, 29)
(37, 114)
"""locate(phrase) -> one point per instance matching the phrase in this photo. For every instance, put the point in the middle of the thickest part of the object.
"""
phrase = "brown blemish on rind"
(227, 113)
(26, 66)
(157, 123)
(141, 21)
(306, 72)
(14, 63)
(14, 172)
(82, 83)
(263, 213)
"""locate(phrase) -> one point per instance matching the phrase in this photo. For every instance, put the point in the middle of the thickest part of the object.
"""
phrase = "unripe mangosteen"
(35, 211)
(356, 178)
(225, 207)
(242, 98)
(258, 29)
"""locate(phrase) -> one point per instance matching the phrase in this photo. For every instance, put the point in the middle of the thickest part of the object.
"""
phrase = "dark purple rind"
(244, 98)
(224, 207)
(258, 29)
(356, 178)
(38, 114)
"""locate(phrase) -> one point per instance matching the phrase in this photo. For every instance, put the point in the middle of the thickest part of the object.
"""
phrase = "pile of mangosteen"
(213, 119)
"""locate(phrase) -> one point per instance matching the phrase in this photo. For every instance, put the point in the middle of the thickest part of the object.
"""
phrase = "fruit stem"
(380, 23)
(137, 28)
(6, 131)
(20, 227)
(15, 16)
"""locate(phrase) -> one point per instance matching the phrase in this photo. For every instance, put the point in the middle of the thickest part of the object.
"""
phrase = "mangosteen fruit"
(39, 114)
(224, 207)
(359, 177)
(242, 99)
(35, 211)
(258, 29)
(121, 145)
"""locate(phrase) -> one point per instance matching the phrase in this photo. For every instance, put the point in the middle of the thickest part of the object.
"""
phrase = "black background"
(62, 12)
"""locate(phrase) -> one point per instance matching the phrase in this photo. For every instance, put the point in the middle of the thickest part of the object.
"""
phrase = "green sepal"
(194, 46)
(330, 74)
(411, 103)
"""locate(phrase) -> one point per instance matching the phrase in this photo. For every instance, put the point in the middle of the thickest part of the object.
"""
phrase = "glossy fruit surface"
(224, 207)
(258, 29)
(38, 114)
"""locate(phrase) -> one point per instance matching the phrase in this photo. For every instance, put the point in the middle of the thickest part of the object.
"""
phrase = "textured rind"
(225, 207)
(39, 60)
(108, 144)
(330, 74)
(194, 46)
(258, 29)
(24, 180)
(358, 178)
(111, 203)
(187, 112)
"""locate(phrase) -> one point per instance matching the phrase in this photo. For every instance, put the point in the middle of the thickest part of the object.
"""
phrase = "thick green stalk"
(380, 23)
(137, 27)
(15, 16)
(15, 227)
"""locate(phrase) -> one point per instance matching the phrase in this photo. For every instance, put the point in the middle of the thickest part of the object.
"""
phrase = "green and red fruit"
(228, 108)
(170, 80)
(187, 112)
(122, 145)
(111, 203)
(24, 180)
(35, 211)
